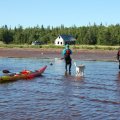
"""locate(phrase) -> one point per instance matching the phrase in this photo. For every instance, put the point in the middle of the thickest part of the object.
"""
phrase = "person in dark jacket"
(118, 57)
(68, 61)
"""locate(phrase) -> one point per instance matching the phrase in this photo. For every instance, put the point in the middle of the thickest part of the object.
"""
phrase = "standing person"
(118, 57)
(68, 61)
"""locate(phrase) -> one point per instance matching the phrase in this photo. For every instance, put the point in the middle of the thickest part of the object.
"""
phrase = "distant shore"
(80, 54)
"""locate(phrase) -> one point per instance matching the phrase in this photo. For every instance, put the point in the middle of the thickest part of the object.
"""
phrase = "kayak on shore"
(25, 75)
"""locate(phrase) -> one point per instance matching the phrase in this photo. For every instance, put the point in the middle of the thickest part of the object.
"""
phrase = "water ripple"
(54, 96)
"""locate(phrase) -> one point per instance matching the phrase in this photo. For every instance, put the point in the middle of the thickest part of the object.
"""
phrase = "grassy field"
(94, 47)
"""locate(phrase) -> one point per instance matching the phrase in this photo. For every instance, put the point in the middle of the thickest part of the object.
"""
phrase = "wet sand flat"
(106, 55)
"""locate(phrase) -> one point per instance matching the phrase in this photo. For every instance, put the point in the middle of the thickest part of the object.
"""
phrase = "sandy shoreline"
(106, 55)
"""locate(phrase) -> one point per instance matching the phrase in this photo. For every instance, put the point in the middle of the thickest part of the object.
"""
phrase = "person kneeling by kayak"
(68, 61)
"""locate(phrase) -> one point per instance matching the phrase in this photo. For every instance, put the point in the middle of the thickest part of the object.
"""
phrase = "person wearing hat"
(68, 61)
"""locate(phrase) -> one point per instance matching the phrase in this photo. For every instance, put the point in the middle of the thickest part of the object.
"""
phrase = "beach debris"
(51, 63)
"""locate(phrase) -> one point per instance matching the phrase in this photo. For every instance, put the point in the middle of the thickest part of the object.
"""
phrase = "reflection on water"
(54, 96)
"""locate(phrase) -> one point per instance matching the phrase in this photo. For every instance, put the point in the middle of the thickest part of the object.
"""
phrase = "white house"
(65, 39)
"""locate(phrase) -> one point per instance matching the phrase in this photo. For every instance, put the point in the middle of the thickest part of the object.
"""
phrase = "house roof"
(67, 37)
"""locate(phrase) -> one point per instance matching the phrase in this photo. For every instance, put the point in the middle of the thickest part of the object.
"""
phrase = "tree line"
(89, 35)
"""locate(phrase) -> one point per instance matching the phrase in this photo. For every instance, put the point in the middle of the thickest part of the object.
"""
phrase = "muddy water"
(54, 96)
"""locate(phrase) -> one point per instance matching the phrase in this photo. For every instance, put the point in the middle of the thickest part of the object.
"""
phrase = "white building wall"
(59, 41)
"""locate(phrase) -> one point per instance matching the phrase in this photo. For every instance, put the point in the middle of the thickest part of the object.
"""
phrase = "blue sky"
(30, 13)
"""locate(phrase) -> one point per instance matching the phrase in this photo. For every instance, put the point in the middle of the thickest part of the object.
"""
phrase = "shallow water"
(54, 96)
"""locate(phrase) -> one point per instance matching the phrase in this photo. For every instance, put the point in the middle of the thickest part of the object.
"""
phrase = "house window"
(58, 42)
(61, 43)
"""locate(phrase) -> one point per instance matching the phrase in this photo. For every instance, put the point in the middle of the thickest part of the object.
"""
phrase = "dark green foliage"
(89, 35)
